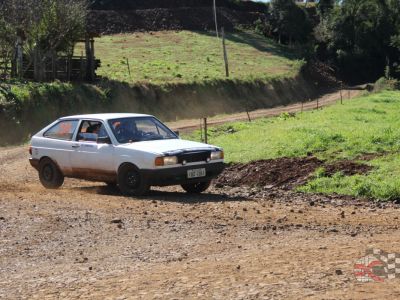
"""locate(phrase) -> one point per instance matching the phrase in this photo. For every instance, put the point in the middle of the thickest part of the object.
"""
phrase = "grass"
(369, 124)
(187, 57)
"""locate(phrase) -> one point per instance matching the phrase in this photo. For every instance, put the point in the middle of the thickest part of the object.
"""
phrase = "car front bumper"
(178, 175)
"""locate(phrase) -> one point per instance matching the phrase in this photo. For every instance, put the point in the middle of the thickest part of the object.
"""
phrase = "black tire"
(197, 187)
(49, 174)
(111, 185)
(130, 181)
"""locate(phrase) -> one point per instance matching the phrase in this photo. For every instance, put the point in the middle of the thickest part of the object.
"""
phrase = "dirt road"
(325, 100)
(86, 241)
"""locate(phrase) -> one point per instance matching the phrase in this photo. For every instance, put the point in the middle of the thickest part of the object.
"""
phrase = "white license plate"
(195, 173)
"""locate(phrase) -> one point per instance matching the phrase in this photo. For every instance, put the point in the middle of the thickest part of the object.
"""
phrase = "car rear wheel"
(197, 187)
(111, 185)
(49, 174)
(130, 181)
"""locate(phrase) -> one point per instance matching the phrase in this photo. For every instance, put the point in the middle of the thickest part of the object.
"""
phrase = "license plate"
(195, 173)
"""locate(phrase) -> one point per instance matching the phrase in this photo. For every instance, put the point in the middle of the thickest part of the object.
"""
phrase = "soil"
(87, 241)
(285, 173)
(347, 167)
(282, 172)
(181, 18)
(110, 17)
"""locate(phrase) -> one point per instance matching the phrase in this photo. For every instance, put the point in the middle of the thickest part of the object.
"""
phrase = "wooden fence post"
(225, 54)
(54, 65)
(248, 115)
(201, 131)
(92, 61)
(81, 67)
(129, 68)
(341, 96)
(205, 131)
(69, 68)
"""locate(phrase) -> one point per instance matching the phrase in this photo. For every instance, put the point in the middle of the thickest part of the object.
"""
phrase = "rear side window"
(63, 130)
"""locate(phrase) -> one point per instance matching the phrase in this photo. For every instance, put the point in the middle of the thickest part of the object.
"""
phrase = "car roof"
(106, 116)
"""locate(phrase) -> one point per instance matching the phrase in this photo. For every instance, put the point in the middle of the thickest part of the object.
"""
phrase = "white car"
(133, 151)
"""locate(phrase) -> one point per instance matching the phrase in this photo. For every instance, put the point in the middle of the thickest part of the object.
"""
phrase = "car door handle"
(75, 146)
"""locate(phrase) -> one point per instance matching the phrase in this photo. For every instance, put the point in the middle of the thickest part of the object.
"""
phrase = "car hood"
(168, 146)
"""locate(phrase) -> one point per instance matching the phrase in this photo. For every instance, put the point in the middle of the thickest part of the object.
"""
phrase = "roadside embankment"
(25, 108)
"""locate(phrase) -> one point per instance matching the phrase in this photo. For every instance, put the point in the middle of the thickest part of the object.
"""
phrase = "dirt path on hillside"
(325, 100)
(87, 241)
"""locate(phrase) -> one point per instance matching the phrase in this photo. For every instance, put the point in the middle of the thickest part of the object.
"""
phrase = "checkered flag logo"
(377, 265)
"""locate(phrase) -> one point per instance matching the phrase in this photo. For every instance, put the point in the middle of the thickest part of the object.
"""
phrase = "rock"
(312, 203)
(283, 219)
(116, 221)
(342, 214)
(353, 234)
(238, 267)
(339, 272)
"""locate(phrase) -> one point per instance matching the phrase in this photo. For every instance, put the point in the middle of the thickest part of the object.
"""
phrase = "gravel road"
(87, 241)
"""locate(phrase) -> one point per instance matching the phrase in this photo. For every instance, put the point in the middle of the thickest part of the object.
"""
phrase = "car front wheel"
(130, 181)
(49, 174)
(196, 188)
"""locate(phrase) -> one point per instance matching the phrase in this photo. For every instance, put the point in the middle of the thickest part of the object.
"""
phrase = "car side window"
(89, 131)
(64, 130)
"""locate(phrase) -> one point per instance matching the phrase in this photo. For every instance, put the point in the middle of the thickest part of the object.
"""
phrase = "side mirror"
(104, 140)
(176, 132)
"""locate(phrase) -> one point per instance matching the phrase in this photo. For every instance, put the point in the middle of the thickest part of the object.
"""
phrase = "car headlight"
(166, 161)
(217, 155)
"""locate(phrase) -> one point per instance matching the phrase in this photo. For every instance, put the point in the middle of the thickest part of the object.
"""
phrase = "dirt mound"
(284, 173)
(181, 18)
(347, 167)
(151, 4)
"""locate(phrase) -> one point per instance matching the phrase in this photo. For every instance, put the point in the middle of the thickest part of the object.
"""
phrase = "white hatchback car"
(132, 151)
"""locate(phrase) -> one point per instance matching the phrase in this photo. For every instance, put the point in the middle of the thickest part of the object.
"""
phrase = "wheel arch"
(127, 164)
(52, 160)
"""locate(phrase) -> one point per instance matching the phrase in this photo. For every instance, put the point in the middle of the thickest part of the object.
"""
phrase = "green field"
(185, 56)
(369, 124)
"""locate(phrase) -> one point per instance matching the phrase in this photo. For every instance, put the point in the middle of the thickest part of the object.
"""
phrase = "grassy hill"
(187, 57)
(369, 124)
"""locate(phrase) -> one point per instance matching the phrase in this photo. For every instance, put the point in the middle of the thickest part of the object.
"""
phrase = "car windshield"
(139, 129)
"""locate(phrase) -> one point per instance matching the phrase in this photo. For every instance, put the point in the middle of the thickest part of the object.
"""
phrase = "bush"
(385, 84)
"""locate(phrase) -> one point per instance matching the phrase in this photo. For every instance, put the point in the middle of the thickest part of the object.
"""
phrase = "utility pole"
(215, 18)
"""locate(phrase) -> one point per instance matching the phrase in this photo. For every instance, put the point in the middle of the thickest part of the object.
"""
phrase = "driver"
(126, 130)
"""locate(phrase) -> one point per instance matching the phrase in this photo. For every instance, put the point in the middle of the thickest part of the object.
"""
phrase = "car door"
(90, 159)
(57, 143)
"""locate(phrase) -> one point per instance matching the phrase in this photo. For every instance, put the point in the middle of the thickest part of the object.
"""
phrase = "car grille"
(190, 157)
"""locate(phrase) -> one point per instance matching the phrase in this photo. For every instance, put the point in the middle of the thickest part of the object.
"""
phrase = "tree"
(43, 28)
(360, 36)
(290, 21)
(324, 7)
